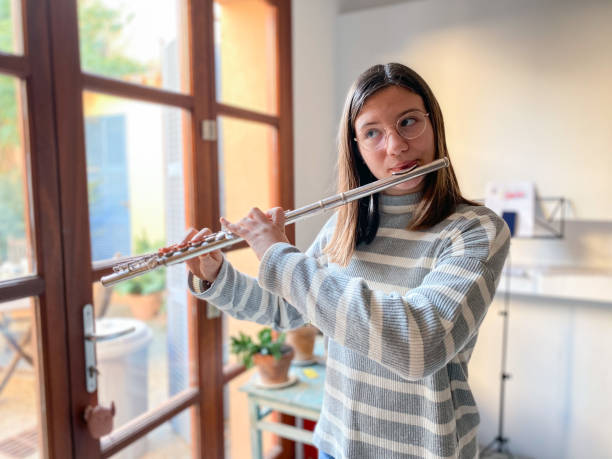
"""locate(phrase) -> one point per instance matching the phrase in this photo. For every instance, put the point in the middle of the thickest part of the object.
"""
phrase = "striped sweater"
(402, 320)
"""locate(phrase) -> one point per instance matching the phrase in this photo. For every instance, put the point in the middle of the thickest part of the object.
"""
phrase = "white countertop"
(560, 282)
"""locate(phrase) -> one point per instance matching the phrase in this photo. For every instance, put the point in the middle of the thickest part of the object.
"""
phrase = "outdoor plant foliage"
(245, 348)
(101, 49)
(154, 281)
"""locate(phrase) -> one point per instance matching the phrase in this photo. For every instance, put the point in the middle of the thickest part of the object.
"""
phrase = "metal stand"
(500, 442)
(549, 218)
(549, 224)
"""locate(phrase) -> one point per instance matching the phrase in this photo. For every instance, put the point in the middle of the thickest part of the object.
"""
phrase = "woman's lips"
(404, 166)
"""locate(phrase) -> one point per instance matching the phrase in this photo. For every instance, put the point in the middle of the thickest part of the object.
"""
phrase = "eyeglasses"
(409, 126)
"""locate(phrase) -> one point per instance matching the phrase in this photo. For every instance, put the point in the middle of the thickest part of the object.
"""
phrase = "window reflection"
(247, 152)
(245, 44)
(136, 205)
(11, 40)
(16, 248)
(136, 41)
(134, 175)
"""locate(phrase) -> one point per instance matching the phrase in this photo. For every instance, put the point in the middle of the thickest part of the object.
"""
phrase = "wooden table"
(303, 400)
(23, 309)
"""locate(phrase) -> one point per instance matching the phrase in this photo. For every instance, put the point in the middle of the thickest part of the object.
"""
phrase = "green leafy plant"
(102, 46)
(154, 281)
(245, 348)
(101, 41)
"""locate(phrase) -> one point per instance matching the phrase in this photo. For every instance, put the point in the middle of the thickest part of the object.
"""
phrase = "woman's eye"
(371, 133)
(408, 121)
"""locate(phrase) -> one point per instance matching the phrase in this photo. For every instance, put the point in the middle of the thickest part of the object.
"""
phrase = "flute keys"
(151, 263)
(197, 242)
(120, 267)
(166, 252)
(225, 235)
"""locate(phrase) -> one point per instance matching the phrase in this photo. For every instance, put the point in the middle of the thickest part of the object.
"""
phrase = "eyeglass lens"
(409, 126)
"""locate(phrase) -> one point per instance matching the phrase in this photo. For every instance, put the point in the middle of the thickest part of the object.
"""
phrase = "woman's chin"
(411, 186)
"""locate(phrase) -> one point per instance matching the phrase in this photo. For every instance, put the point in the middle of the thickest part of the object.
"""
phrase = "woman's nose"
(396, 144)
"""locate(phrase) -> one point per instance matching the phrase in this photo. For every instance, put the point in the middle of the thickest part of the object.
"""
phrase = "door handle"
(91, 338)
(106, 336)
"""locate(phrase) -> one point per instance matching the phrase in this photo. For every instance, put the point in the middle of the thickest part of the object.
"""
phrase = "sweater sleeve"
(414, 334)
(242, 297)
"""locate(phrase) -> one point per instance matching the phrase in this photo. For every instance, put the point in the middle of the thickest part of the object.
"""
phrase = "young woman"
(399, 282)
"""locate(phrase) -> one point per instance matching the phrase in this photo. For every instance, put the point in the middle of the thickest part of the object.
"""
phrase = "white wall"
(524, 86)
(314, 110)
(558, 401)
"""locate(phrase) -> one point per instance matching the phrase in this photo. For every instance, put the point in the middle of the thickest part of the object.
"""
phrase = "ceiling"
(346, 6)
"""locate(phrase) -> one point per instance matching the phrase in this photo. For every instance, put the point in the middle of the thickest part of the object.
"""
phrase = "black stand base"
(497, 448)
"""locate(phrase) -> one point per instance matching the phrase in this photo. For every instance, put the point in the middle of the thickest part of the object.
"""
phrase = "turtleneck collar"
(400, 204)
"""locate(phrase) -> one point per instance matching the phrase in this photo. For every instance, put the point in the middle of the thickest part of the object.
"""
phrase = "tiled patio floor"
(19, 404)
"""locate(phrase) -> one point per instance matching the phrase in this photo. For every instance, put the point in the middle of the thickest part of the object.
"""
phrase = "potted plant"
(270, 354)
(144, 294)
(302, 340)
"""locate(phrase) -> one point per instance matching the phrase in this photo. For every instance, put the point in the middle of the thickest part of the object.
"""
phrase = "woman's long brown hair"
(358, 220)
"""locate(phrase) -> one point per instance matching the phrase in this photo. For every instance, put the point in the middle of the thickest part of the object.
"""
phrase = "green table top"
(306, 393)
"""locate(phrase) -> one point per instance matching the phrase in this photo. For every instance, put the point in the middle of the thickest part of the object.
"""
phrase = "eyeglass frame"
(426, 115)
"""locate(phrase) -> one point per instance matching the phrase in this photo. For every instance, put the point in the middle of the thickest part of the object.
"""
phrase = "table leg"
(256, 443)
(19, 354)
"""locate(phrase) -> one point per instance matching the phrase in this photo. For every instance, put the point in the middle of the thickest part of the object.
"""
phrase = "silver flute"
(178, 253)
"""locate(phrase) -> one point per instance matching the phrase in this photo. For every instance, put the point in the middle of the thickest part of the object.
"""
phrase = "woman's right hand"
(205, 266)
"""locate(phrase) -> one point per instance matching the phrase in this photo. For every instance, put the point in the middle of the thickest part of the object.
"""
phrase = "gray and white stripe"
(402, 319)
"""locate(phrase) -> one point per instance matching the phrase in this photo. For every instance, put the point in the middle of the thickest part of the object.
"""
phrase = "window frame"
(54, 84)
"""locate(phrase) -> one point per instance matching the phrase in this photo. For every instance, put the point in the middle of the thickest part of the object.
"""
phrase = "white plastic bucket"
(123, 365)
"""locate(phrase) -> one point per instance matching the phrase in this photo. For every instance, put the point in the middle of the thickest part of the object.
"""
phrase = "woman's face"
(379, 116)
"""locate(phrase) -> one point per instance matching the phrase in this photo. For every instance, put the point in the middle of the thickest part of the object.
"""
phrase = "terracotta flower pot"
(274, 371)
(145, 307)
(302, 340)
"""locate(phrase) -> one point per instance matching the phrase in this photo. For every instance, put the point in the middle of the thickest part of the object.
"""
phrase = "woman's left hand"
(260, 230)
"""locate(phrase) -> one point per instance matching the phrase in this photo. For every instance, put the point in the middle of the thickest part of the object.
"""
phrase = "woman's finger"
(189, 235)
(257, 215)
(225, 223)
(277, 215)
(231, 227)
(201, 234)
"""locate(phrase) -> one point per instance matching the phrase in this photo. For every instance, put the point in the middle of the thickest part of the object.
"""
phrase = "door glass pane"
(16, 247)
(139, 41)
(247, 176)
(237, 425)
(142, 369)
(135, 175)
(10, 27)
(246, 54)
(248, 173)
(136, 205)
(20, 386)
(162, 443)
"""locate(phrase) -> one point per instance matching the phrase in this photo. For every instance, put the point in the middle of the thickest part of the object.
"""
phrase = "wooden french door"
(35, 395)
(96, 132)
(104, 113)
